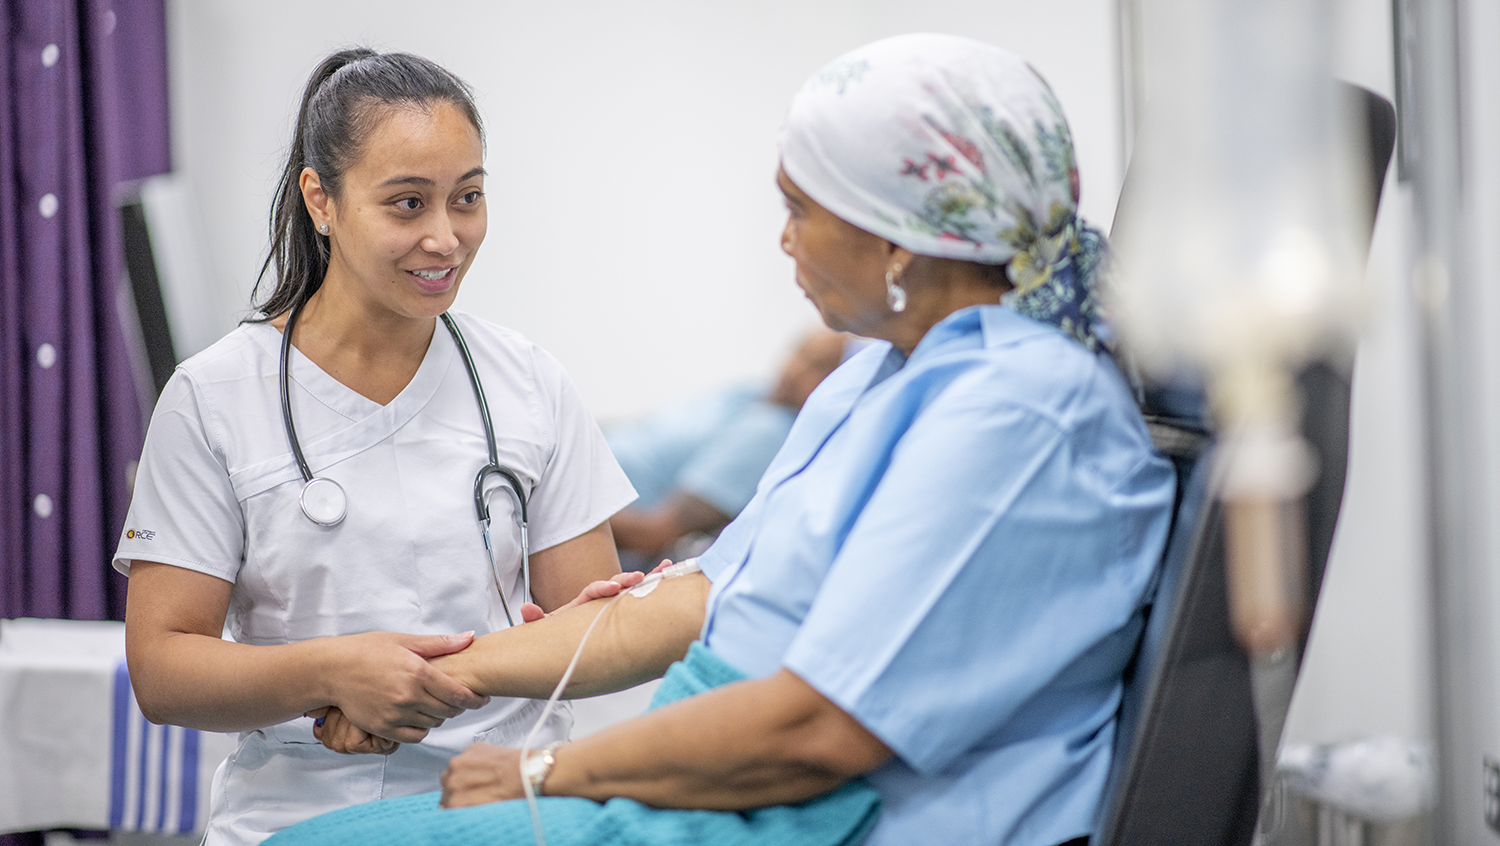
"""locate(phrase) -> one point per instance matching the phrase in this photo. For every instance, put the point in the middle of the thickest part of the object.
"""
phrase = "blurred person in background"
(696, 463)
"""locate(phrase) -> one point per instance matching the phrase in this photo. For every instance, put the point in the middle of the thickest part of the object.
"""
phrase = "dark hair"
(341, 105)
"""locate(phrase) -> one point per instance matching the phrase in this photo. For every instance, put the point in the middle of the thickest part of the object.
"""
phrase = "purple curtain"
(84, 108)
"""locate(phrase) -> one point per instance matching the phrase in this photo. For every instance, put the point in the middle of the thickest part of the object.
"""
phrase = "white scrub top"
(955, 549)
(217, 492)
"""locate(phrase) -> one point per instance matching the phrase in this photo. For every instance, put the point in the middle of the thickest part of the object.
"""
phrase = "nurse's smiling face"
(410, 214)
(840, 267)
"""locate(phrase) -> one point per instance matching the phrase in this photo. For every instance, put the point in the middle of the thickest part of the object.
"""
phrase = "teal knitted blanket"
(841, 818)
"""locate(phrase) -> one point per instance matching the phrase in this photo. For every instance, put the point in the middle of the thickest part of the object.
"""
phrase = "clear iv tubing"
(645, 587)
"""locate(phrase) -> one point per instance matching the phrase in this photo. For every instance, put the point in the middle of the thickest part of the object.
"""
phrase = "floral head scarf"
(956, 149)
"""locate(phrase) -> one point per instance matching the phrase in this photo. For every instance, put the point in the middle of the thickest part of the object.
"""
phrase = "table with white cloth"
(75, 750)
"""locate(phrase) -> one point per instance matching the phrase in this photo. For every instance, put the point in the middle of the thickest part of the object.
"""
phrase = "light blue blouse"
(955, 549)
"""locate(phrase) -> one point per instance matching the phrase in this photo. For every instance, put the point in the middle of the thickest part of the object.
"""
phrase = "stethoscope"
(325, 503)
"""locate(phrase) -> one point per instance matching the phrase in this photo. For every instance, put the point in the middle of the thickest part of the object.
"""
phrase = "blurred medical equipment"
(169, 306)
(647, 585)
(1186, 756)
(1377, 781)
(1247, 213)
(1245, 265)
(1378, 791)
(325, 503)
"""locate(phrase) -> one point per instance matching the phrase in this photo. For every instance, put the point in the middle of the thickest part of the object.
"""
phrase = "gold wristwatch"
(539, 765)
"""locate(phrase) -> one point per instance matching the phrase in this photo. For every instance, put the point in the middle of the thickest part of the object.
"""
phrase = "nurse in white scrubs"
(379, 214)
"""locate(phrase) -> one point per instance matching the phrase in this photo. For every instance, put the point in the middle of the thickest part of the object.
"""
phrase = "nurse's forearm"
(559, 572)
(636, 641)
(184, 674)
(215, 685)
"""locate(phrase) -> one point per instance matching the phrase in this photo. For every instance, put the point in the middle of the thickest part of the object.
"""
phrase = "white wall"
(634, 221)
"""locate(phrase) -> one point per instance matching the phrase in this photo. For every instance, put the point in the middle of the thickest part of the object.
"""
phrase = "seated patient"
(928, 605)
(695, 463)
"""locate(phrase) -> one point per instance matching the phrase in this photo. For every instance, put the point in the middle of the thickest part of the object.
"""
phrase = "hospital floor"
(589, 715)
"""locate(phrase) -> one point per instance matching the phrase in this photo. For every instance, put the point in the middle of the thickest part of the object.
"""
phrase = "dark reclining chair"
(1186, 770)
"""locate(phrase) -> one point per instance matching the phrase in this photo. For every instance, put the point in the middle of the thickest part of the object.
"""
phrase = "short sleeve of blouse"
(1001, 551)
(582, 485)
(183, 510)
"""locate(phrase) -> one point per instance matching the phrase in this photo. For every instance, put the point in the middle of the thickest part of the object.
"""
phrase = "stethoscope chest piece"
(324, 502)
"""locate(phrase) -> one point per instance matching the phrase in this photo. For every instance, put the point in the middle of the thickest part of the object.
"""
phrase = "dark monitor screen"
(146, 292)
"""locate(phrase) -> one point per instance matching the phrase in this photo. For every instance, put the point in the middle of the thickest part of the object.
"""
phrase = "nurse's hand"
(482, 773)
(602, 589)
(382, 683)
(337, 733)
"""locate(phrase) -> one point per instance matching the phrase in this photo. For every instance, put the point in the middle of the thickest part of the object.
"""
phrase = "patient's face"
(840, 267)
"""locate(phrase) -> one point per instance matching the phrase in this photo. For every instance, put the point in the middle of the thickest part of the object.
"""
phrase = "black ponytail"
(340, 107)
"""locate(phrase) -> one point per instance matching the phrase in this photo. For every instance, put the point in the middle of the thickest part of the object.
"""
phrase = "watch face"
(537, 767)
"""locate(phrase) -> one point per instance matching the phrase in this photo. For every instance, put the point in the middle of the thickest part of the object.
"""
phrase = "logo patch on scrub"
(139, 534)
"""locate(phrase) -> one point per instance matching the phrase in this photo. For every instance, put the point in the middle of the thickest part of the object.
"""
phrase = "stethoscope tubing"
(481, 506)
(285, 381)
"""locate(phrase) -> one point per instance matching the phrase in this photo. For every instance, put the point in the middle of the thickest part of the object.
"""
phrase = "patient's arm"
(336, 733)
(757, 742)
(636, 641)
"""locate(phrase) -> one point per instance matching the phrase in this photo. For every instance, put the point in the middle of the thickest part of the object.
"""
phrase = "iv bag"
(1240, 243)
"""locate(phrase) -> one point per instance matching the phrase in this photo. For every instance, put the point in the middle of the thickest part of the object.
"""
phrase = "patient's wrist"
(461, 667)
(539, 765)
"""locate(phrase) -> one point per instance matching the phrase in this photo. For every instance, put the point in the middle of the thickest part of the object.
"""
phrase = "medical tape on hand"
(641, 590)
(650, 582)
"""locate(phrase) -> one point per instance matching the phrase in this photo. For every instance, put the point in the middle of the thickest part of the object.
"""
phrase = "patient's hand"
(337, 733)
(481, 774)
(602, 589)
